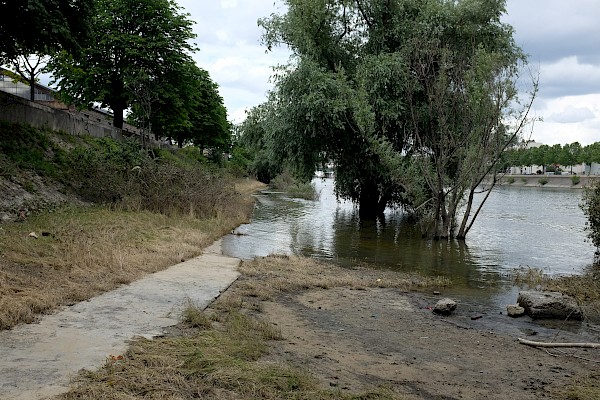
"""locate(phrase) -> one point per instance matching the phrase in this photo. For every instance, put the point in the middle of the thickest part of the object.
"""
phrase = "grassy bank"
(92, 214)
(584, 288)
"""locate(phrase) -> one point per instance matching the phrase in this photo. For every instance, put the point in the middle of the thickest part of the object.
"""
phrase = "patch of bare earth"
(357, 337)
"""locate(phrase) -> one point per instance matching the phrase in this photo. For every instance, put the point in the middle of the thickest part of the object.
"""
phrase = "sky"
(561, 38)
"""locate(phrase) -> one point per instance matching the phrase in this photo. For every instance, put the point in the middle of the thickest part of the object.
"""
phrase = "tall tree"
(185, 106)
(409, 98)
(29, 67)
(129, 36)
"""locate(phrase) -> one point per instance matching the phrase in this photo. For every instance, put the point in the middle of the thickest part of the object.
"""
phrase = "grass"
(543, 181)
(584, 288)
(219, 353)
(575, 179)
(586, 388)
(81, 252)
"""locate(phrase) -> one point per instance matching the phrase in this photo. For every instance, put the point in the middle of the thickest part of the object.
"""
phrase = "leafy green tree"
(131, 39)
(591, 154)
(571, 155)
(591, 208)
(185, 106)
(253, 137)
(537, 156)
(42, 26)
(406, 97)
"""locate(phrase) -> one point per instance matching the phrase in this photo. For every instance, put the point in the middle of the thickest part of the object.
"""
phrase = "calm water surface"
(536, 227)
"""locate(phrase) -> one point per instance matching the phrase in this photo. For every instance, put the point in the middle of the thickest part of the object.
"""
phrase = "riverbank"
(547, 181)
(71, 254)
(293, 328)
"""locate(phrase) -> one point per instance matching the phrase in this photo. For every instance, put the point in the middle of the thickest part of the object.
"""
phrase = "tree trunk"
(118, 116)
(371, 203)
(32, 87)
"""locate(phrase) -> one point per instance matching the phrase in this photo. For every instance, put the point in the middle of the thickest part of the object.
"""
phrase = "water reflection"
(541, 228)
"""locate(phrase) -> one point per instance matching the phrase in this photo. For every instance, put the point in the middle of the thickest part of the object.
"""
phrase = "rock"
(444, 307)
(549, 305)
(515, 310)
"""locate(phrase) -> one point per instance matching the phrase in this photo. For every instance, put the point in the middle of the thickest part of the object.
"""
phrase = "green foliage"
(135, 45)
(41, 26)
(575, 179)
(27, 148)
(510, 180)
(253, 136)
(185, 106)
(543, 181)
(294, 187)
(101, 171)
(590, 205)
(240, 161)
(549, 157)
(407, 99)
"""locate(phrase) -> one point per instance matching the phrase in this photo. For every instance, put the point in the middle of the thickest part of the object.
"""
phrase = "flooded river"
(536, 227)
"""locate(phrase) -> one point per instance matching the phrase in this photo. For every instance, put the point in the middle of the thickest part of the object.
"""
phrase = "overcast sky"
(561, 38)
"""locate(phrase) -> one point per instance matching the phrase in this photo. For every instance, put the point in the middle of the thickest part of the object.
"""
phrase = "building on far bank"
(9, 83)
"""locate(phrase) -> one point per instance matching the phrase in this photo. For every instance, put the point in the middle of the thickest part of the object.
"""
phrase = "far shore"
(546, 181)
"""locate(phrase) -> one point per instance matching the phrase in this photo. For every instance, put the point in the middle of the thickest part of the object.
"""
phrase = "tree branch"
(545, 344)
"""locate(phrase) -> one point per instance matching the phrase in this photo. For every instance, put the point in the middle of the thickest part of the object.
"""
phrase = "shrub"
(510, 180)
(590, 204)
(542, 181)
(575, 179)
(294, 188)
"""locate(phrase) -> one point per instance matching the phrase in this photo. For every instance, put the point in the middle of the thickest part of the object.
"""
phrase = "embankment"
(547, 181)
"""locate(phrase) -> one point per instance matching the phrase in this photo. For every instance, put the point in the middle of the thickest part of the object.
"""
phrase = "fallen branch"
(544, 344)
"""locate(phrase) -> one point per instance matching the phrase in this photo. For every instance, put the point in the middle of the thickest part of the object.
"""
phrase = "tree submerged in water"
(590, 205)
(410, 99)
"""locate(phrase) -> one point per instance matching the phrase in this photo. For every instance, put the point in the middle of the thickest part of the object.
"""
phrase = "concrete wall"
(552, 181)
(18, 110)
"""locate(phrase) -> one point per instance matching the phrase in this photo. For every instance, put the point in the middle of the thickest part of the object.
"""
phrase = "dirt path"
(38, 360)
(356, 339)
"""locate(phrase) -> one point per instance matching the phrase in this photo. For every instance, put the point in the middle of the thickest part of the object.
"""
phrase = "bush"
(542, 181)
(510, 180)
(301, 190)
(27, 148)
(590, 204)
(575, 179)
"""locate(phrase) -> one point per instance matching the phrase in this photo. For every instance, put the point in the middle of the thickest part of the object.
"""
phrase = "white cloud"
(560, 38)
(569, 76)
(569, 119)
(226, 4)
(572, 115)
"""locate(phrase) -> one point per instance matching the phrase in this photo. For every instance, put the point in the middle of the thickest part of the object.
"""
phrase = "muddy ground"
(354, 340)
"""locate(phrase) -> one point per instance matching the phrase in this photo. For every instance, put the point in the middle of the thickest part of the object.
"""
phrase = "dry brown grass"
(218, 353)
(584, 288)
(80, 253)
(263, 278)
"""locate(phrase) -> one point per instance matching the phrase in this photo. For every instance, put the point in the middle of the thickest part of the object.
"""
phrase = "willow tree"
(409, 98)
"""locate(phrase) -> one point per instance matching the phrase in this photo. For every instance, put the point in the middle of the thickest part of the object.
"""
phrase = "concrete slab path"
(38, 360)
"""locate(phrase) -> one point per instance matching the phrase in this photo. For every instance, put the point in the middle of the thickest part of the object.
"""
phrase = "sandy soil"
(355, 340)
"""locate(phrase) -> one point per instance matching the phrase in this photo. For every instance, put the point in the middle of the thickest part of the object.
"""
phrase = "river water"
(534, 227)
